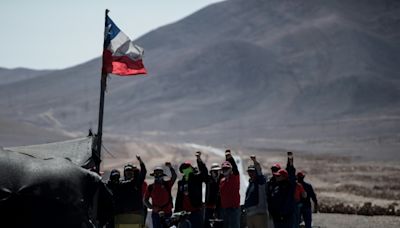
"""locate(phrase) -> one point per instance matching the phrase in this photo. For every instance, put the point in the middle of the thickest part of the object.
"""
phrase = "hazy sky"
(51, 34)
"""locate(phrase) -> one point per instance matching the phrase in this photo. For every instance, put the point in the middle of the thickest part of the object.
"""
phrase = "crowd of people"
(282, 201)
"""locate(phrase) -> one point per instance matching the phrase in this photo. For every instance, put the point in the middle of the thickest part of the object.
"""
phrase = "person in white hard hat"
(212, 203)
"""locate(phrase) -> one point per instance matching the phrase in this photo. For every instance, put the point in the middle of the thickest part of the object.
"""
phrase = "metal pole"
(103, 85)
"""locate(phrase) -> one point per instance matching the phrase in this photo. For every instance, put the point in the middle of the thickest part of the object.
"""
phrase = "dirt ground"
(342, 180)
(346, 183)
(322, 220)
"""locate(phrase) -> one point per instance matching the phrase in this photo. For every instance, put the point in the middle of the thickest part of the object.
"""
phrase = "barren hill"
(310, 75)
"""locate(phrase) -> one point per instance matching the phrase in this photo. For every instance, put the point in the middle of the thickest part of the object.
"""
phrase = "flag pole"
(103, 85)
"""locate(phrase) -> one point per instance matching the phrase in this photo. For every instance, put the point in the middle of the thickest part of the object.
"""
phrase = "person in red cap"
(270, 186)
(229, 190)
(189, 194)
(272, 181)
(305, 209)
(160, 194)
(281, 202)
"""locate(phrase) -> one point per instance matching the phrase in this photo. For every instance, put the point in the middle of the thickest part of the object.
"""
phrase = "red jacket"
(160, 194)
(229, 187)
(298, 192)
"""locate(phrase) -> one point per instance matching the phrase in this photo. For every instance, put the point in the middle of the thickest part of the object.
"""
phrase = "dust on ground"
(323, 220)
(337, 180)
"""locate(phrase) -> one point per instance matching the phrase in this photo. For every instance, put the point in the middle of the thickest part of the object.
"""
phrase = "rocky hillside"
(312, 75)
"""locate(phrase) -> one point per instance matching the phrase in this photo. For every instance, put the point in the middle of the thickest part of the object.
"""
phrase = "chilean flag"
(120, 55)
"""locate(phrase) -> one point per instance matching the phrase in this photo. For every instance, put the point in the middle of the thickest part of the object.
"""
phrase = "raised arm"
(173, 172)
(202, 167)
(143, 170)
(230, 159)
(290, 168)
(260, 177)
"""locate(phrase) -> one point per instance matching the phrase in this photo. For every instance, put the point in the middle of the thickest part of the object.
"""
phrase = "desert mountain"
(313, 75)
(17, 74)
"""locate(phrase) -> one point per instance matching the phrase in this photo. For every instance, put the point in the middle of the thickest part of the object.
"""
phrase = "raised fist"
(228, 153)
(198, 154)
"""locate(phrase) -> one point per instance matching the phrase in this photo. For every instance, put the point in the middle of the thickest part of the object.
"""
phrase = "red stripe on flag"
(122, 65)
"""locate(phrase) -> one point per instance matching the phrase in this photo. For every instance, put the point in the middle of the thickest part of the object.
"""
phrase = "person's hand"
(304, 194)
(168, 164)
(290, 157)
(198, 154)
(253, 158)
(138, 157)
(228, 154)
(316, 208)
